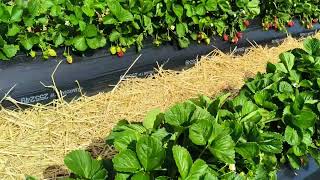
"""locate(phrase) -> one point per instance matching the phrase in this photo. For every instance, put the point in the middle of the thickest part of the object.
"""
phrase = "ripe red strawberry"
(275, 27)
(120, 53)
(314, 21)
(246, 23)
(235, 40)
(225, 37)
(290, 23)
(239, 35)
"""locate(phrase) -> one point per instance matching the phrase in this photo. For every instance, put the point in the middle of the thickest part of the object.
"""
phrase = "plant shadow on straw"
(98, 149)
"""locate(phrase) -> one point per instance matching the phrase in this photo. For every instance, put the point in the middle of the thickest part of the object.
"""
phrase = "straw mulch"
(34, 141)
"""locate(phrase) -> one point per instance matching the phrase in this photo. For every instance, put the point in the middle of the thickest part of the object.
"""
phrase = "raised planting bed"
(267, 130)
(97, 69)
(81, 31)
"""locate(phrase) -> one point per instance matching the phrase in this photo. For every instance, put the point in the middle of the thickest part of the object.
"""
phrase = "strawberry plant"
(272, 121)
(279, 14)
(44, 25)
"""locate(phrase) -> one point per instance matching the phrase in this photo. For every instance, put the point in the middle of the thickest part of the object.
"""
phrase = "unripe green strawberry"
(157, 42)
(124, 49)
(283, 160)
(29, 29)
(118, 49)
(52, 52)
(33, 54)
(69, 59)
(113, 50)
(207, 40)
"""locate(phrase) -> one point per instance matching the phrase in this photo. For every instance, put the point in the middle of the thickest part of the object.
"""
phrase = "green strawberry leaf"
(96, 42)
(248, 150)
(83, 165)
(287, 59)
(150, 152)
(294, 161)
(182, 29)
(178, 10)
(80, 43)
(312, 45)
(16, 14)
(198, 169)
(131, 164)
(141, 176)
(119, 12)
(183, 160)
(179, 114)
(211, 5)
(13, 30)
(291, 136)
(152, 120)
(305, 119)
(271, 142)
(222, 145)
(10, 50)
(200, 132)
(91, 31)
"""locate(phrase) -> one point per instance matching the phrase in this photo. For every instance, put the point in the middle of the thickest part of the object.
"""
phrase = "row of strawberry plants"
(272, 121)
(91, 24)
(279, 14)
(43, 25)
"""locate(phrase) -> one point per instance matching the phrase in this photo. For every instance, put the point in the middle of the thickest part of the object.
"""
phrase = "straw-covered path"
(37, 138)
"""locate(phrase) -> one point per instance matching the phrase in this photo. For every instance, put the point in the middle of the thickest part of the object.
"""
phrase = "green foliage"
(93, 24)
(84, 166)
(273, 120)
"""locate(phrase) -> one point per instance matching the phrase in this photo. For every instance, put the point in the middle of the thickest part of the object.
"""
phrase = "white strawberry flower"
(232, 167)
(29, 29)
(67, 23)
(294, 84)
